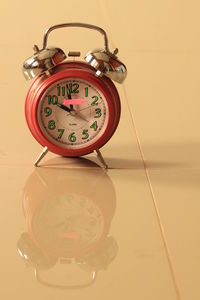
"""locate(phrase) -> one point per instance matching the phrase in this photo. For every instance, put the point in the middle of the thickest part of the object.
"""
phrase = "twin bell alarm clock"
(73, 108)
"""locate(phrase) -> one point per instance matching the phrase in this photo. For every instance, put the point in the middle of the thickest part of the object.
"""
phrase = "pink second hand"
(73, 101)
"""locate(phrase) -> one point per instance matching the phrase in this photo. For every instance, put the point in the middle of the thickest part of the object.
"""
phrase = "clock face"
(73, 113)
(70, 223)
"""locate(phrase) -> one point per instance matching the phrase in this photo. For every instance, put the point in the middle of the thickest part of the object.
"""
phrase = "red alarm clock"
(73, 108)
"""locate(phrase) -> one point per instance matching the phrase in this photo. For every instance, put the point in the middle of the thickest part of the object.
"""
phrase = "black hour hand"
(63, 107)
(70, 97)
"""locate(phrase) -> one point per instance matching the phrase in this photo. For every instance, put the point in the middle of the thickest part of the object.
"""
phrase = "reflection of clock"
(68, 215)
(68, 225)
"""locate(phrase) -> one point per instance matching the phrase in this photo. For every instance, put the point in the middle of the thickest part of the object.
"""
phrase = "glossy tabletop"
(70, 230)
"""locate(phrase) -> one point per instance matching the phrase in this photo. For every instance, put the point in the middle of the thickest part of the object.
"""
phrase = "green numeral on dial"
(98, 112)
(48, 111)
(95, 101)
(86, 92)
(94, 126)
(51, 124)
(72, 137)
(76, 86)
(85, 133)
(58, 90)
(63, 91)
(61, 133)
(52, 99)
(72, 88)
(69, 89)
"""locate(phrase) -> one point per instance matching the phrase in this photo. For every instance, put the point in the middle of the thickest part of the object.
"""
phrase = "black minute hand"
(63, 107)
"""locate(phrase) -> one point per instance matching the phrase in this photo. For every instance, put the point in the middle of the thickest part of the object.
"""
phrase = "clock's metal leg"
(101, 159)
(42, 154)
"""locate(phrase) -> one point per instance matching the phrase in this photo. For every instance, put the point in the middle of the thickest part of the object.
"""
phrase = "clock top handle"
(45, 59)
(83, 25)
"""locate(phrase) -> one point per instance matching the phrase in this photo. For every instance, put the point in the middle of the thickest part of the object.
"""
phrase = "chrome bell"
(107, 64)
(42, 61)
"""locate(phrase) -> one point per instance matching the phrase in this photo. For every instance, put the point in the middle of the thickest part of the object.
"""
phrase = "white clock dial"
(73, 113)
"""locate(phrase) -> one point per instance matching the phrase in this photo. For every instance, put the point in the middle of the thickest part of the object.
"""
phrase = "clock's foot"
(97, 152)
(101, 159)
(42, 154)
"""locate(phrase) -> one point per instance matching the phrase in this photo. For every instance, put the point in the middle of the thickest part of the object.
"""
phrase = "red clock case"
(64, 71)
